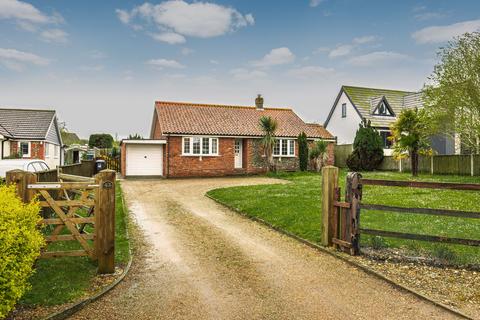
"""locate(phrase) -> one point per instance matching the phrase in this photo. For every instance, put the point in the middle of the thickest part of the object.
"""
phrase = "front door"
(238, 153)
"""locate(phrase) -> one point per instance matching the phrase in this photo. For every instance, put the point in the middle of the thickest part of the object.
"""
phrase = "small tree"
(101, 140)
(367, 149)
(303, 151)
(319, 154)
(411, 134)
(268, 126)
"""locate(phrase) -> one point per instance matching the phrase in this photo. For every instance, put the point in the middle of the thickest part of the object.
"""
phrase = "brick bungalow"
(193, 140)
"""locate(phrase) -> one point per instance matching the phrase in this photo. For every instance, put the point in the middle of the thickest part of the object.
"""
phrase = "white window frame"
(280, 149)
(201, 154)
(344, 110)
(56, 151)
(46, 147)
(19, 145)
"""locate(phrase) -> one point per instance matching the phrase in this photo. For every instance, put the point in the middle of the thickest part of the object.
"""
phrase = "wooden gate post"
(329, 184)
(105, 221)
(22, 179)
(353, 195)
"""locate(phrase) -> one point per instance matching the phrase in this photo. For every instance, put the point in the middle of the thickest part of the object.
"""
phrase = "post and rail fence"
(341, 219)
(76, 208)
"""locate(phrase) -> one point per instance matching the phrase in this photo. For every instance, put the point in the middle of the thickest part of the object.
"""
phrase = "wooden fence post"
(329, 184)
(22, 179)
(105, 221)
(353, 195)
(431, 164)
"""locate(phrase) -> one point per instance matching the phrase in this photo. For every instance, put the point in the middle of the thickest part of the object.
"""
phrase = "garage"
(143, 157)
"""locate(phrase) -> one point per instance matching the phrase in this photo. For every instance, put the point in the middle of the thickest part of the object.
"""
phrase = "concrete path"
(195, 259)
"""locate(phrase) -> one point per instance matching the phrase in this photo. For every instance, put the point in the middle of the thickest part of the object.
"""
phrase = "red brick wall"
(37, 149)
(177, 165)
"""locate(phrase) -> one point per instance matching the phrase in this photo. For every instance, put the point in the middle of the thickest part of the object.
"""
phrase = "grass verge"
(61, 280)
(296, 208)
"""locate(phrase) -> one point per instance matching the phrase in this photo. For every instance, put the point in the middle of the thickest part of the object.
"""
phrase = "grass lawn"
(61, 280)
(296, 207)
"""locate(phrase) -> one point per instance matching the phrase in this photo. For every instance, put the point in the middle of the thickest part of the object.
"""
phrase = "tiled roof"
(366, 99)
(25, 123)
(226, 120)
(322, 132)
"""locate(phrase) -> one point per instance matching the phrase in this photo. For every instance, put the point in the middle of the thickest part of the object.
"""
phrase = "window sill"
(200, 155)
(284, 156)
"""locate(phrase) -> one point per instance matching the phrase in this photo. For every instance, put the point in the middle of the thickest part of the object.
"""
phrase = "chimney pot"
(259, 102)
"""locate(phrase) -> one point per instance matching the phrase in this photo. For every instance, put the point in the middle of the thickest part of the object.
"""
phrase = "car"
(31, 165)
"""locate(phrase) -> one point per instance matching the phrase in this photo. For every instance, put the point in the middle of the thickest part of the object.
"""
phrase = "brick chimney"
(259, 102)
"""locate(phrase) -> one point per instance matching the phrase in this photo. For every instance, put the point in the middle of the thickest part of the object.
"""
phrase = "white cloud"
(187, 51)
(315, 3)
(164, 63)
(94, 68)
(18, 60)
(96, 54)
(341, 50)
(54, 35)
(364, 39)
(197, 19)
(377, 58)
(30, 19)
(275, 57)
(212, 61)
(436, 34)
(244, 74)
(169, 37)
(308, 72)
(428, 16)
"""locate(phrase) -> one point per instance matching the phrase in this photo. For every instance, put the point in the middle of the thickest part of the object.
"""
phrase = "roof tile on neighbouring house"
(26, 123)
(227, 120)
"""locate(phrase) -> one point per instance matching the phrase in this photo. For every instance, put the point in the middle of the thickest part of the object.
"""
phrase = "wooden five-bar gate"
(341, 219)
(76, 208)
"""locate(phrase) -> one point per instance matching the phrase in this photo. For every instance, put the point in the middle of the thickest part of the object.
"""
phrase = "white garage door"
(144, 160)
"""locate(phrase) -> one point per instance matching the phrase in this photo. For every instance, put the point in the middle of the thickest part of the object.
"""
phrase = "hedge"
(20, 243)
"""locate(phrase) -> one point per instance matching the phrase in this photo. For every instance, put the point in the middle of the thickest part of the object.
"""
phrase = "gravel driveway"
(195, 259)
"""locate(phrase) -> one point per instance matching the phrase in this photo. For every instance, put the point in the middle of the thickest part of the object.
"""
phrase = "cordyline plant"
(453, 95)
(268, 126)
(319, 154)
(411, 134)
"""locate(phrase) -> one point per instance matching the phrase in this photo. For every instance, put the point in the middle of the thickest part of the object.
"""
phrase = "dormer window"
(383, 109)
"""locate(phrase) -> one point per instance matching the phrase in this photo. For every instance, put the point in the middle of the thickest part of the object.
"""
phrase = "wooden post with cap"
(105, 221)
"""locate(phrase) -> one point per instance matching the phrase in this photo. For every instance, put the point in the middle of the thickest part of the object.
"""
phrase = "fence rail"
(437, 164)
(341, 219)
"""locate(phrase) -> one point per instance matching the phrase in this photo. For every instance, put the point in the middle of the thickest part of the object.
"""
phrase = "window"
(387, 144)
(196, 145)
(186, 145)
(47, 151)
(24, 149)
(214, 146)
(284, 148)
(205, 145)
(383, 109)
(201, 146)
(344, 110)
(56, 151)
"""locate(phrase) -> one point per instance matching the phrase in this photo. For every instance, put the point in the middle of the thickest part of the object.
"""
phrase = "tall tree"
(101, 140)
(411, 134)
(303, 151)
(268, 126)
(453, 95)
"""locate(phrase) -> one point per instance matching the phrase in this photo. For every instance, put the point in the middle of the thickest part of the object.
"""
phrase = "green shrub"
(303, 151)
(367, 152)
(378, 243)
(20, 243)
(444, 254)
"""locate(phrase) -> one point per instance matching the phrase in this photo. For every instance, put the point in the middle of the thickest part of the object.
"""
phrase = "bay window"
(284, 148)
(199, 146)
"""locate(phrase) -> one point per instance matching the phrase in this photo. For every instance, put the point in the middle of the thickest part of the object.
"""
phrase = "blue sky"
(102, 64)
